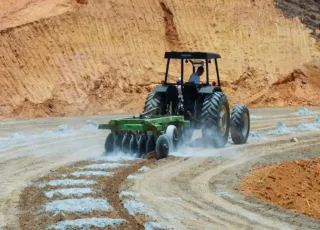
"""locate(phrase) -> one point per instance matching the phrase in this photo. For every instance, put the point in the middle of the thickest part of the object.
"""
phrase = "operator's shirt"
(179, 90)
(195, 78)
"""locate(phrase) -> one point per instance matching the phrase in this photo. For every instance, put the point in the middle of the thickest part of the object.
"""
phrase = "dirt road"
(202, 192)
(196, 191)
(27, 156)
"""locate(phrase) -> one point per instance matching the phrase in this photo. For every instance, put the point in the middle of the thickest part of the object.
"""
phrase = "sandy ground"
(107, 187)
(28, 160)
(199, 192)
(202, 192)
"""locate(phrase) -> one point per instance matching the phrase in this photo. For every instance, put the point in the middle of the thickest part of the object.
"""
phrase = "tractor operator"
(195, 77)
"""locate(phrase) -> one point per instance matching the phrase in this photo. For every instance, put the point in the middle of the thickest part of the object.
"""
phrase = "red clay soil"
(294, 185)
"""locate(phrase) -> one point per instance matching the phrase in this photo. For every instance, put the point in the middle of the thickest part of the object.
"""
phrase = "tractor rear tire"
(215, 119)
(162, 147)
(109, 144)
(240, 124)
(153, 101)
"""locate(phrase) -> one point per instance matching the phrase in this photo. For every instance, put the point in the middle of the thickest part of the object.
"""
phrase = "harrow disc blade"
(133, 144)
(109, 144)
(142, 143)
(126, 143)
(118, 143)
(150, 145)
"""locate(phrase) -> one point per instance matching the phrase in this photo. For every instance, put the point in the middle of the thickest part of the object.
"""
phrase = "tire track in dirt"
(203, 190)
(106, 187)
(22, 163)
(198, 180)
(270, 123)
(173, 190)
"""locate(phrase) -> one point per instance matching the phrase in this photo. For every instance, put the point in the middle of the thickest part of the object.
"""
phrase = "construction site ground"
(66, 64)
(198, 187)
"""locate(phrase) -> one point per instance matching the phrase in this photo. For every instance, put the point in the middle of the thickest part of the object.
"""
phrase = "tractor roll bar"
(207, 72)
(167, 70)
(217, 71)
(182, 70)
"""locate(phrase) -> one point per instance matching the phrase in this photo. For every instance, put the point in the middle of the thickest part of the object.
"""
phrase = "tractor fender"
(161, 88)
(209, 89)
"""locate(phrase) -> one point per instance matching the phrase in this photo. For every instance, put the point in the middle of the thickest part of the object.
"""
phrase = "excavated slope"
(88, 57)
(308, 11)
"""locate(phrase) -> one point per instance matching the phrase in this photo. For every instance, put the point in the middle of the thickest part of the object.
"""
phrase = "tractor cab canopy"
(196, 59)
(191, 55)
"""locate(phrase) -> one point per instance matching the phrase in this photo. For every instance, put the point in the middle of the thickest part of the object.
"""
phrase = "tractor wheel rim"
(245, 118)
(223, 119)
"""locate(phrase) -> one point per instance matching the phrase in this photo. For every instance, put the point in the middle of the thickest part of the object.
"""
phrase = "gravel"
(84, 205)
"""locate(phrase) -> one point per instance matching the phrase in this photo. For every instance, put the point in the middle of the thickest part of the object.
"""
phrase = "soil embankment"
(68, 57)
(294, 185)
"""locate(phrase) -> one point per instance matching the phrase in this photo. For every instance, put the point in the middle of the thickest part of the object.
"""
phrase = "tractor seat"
(172, 93)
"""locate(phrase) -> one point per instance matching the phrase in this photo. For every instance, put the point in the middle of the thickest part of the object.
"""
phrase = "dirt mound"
(308, 11)
(250, 84)
(296, 88)
(296, 77)
(294, 185)
(300, 87)
(57, 52)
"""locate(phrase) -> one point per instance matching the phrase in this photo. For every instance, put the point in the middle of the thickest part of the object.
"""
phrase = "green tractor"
(202, 103)
(172, 112)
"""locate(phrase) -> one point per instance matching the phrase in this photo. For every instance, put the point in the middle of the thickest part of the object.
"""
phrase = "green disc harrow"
(142, 135)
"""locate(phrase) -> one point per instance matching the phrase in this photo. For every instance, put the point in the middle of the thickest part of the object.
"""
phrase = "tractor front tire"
(240, 124)
(215, 119)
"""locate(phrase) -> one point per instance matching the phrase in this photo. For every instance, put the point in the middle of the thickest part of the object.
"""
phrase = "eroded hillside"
(64, 58)
(308, 11)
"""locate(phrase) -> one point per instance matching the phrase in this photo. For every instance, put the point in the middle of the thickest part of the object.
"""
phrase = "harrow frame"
(148, 127)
